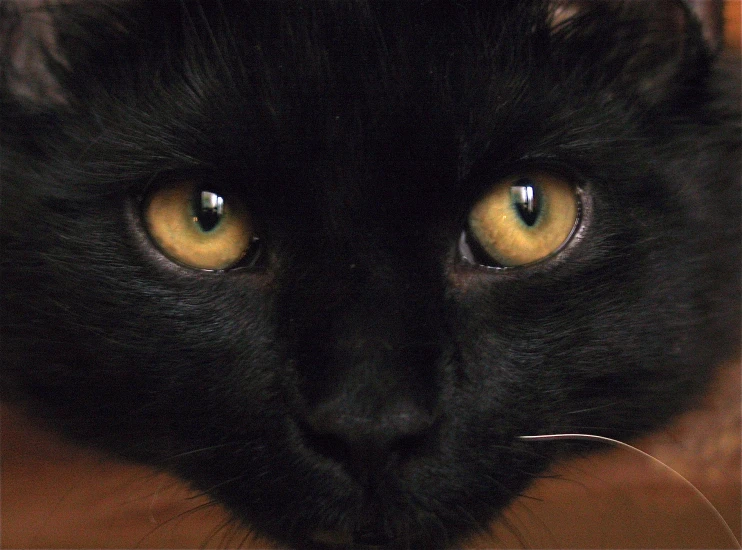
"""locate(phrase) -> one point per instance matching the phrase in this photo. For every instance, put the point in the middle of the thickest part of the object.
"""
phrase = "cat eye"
(521, 220)
(198, 226)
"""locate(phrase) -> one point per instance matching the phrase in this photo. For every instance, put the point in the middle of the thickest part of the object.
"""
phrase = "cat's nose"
(370, 441)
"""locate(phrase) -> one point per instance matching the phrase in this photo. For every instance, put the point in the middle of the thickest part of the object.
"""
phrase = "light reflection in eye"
(212, 202)
(525, 199)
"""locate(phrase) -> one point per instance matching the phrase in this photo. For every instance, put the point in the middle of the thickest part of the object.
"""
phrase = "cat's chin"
(335, 540)
(426, 502)
(323, 539)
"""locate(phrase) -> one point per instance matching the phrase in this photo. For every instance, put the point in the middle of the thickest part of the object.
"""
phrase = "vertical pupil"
(209, 210)
(527, 200)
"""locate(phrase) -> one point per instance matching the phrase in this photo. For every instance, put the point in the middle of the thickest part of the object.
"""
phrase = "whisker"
(221, 528)
(206, 492)
(603, 439)
(596, 408)
(534, 517)
(200, 450)
(177, 517)
(513, 529)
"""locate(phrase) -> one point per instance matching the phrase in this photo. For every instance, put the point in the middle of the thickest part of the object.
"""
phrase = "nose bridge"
(367, 356)
(375, 344)
(367, 343)
(375, 403)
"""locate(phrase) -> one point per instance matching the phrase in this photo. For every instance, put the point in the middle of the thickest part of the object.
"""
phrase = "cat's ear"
(710, 15)
(30, 60)
(50, 50)
(650, 49)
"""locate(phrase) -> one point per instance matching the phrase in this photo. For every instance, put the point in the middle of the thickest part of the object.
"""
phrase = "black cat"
(327, 261)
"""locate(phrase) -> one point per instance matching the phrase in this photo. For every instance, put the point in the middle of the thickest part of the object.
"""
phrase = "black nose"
(370, 441)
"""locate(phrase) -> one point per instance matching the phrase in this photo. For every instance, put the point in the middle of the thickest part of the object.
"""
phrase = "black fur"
(360, 379)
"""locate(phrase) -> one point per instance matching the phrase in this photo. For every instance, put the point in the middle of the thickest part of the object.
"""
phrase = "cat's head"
(328, 261)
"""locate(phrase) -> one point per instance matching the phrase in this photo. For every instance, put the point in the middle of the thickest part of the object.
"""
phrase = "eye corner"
(470, 255)
(255, 258)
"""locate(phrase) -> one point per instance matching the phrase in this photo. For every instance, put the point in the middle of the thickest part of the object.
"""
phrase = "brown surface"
(622, 500)
(732, 17)
(53, 495)
(57, 496)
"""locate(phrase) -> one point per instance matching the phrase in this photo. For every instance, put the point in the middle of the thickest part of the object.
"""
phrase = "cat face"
(327, 262)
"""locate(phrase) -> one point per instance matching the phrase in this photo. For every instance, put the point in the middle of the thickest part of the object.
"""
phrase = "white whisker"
(602, 439)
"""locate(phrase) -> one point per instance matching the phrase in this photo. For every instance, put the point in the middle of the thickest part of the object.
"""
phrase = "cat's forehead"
(385, 84)
(382, 65)
(347, 96)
